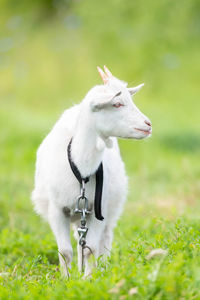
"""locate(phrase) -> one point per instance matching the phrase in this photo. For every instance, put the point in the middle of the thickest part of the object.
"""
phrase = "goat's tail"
(40, 203)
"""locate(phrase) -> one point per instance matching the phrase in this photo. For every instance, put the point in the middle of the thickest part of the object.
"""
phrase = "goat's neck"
(87, 147)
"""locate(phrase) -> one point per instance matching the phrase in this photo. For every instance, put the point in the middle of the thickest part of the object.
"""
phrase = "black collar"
(99, 182)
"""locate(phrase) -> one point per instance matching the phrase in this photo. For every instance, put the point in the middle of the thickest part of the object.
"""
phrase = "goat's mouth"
(145, 132)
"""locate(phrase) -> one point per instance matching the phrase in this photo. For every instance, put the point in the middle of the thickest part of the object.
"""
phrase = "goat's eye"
(118, 104)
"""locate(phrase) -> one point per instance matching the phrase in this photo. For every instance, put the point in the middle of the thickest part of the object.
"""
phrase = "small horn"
(108, 73)
(102, 75)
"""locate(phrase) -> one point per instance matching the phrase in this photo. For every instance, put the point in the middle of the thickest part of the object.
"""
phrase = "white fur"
(94, 125)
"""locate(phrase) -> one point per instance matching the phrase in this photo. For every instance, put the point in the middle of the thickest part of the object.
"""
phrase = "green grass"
(50, 65)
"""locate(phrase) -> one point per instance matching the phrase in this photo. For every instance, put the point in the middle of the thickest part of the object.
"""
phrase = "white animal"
(106, 112)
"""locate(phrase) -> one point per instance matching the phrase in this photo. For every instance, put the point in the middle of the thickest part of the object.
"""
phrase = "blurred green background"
(49, 51)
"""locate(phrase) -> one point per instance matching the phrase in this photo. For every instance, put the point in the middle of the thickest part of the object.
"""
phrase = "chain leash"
(83, 211)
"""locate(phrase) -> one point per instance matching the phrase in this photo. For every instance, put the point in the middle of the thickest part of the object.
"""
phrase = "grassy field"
(49, 63)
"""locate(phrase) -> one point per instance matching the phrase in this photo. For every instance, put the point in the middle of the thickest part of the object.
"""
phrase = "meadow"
(48, 59)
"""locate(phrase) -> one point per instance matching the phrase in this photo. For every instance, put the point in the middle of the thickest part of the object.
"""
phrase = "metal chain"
(84, 211)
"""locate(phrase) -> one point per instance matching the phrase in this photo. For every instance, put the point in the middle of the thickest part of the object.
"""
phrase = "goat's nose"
(147, 122)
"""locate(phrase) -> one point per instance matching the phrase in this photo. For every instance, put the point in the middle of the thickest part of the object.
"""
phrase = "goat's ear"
(103, 101)
(135, 89)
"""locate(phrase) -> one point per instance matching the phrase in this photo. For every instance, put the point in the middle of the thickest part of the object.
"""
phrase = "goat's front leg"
(60, 225)
(106, 241)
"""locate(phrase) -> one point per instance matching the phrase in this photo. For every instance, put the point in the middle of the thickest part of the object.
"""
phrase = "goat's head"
(114, 111)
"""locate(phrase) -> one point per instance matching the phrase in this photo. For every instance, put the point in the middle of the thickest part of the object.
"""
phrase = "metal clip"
(83, 229)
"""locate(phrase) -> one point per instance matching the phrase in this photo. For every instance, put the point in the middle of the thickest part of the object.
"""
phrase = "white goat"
(105, 113)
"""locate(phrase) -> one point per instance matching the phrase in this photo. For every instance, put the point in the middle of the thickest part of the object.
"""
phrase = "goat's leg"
(106, 241)
(60, 225)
